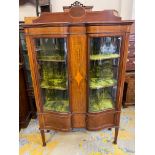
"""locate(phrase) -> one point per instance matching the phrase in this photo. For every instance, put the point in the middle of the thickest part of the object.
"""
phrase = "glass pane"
(23, 42)
(52, 59)
(56, 100)
(28, 78)
(24, 53)
(26, 61)
(103, 72)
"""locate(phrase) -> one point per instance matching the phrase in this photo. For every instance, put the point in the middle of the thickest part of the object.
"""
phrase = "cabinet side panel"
(34, 74)
(121, 76)
(122, 70)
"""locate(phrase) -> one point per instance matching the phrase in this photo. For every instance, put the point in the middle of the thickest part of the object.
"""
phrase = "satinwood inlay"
(78, 78)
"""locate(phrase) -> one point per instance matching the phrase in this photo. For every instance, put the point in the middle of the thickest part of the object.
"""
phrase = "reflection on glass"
(52, 56)
(104, 48)
(104, 61)
(51, 49)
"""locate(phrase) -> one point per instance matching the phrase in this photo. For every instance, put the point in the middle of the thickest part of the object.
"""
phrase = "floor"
(80, 141)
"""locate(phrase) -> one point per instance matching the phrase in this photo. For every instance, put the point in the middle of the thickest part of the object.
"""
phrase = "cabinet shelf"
(104, 56)
(58, 87)
(57, 105)
(51, 58)
(96, 83)
(102, 104)
(49, 49)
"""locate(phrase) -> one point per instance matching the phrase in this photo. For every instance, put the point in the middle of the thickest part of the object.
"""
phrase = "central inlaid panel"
(78, 64)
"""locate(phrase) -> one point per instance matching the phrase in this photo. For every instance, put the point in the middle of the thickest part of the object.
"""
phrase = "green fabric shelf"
(101, 105)
(96, 83)
(59, 85)
(54, 58)
(58, 105)
(104, 56)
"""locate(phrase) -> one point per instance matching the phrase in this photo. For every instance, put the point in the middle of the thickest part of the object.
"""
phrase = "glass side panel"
(28, 78)
(23, 42)
(24, 53)
(52, 60)
(103, 72)
(26, 61)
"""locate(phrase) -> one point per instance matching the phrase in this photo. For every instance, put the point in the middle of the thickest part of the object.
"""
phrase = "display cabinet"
(78, 62)
(24, 106)
(26, 72)
(129, 85)
(45, 6)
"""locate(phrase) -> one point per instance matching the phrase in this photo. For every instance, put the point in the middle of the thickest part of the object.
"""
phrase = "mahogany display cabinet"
(24, 106)
(129, 85)
(26, 72)
(78, 62)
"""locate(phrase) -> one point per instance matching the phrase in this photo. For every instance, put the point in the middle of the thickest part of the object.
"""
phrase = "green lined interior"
(104, 56)
(57, 105)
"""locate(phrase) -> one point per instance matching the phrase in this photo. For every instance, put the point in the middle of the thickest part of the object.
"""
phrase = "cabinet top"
(77, 15)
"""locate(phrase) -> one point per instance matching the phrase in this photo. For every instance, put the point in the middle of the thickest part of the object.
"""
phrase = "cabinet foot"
(115, 142)
(43, 137)
(116, 135)
(44, 144)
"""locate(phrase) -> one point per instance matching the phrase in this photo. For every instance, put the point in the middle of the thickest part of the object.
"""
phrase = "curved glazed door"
(104, 59)
(52, 60)
(52, 67)
(103, 72)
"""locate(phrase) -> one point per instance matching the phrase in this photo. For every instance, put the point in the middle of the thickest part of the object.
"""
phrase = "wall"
(26, 10)
(124, 7)
(127, 9)
(98, 4)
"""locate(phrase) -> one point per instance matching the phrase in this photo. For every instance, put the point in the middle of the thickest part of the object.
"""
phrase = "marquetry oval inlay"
(77, 12)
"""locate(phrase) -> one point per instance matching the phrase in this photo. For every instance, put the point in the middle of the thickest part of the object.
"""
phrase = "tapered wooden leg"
(124, 95)
(116, 135)
(43, 137)
(48, 130)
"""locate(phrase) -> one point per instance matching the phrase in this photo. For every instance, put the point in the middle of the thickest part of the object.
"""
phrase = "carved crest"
(76, 3)
(77, 10)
